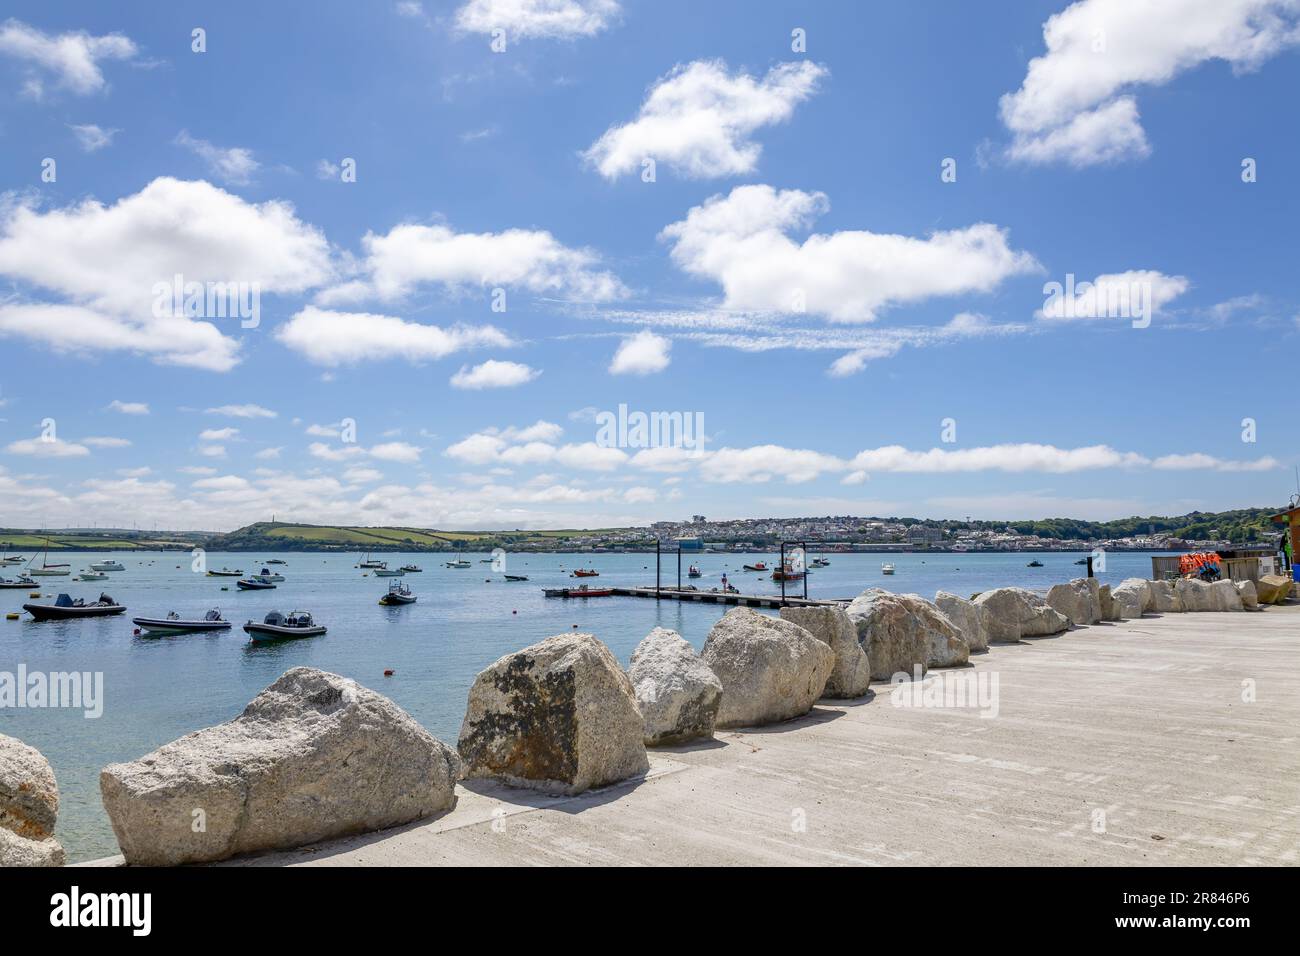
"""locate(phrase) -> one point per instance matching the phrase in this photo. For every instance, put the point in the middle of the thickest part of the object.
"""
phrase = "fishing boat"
(269, 575)
(585, 573)
(516, 577)
(787, 572)
(412, 569)
(91, 576)
(581, 591)
(109, 565)
(886, 568)
(759, 566)
(1034, 564)
(65, 607)
(398, 593)
(694, 571)
(386, 573)
(225, 573)
(173, 623)
(279, 627)
(22, 581)
(1082, 561)
(369, 563)
(255, 583)
(459, 563)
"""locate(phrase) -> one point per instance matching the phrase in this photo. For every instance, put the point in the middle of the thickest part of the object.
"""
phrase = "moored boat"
(398, 593)
(255, 584)
(276, 561)
(387, 573)
(279, 627)
(92, 576)
(886, 568)
(516, 577)
(269, 575)
(65, 607)
(412, 569)
(787, 573)
(1034, 564)
(22, 581)
(759, 566)
(459, 563)
(225, 572)
(585, 573)
(109, 565)
(694, 571)
(173, 623)
(581, 591)
(369, 563)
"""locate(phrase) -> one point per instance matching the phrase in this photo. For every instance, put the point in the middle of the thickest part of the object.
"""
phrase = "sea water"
(156, 689)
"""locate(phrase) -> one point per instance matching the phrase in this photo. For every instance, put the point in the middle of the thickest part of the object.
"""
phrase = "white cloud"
(324, 431)
(494, 374)
(399, 451)
(73, 58)
(741, 242)
(326, 169)
(135, 472)
(340, 338)
(222, 483)
(233, 164)
(106, 260)
(641, 354)
(699, 119)
(106, 442)
(640, 495)
(218, 434)
(212, 451)
(91, 137)
(196, 470)
(1115, 295)
(269, 453)
(764, 462)
(46, 448)
(411, 256)
(359, 475)
(241, 411)
(1072, 106)
(545, 19)
(129, 408)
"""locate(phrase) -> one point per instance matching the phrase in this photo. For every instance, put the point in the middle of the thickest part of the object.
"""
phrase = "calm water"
(157, 689)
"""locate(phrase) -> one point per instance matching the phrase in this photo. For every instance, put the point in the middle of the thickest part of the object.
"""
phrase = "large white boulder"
(1015, 613)
(313, 756)
(677, 693)
(1080, 600)
(834, 628)
(1249, 599)
(970, 619)
(1164, 599)
(902, 632)
(1129, 599)
(1107, 602)
(1202, 596)
(770, 669)
(29, 807)
(559, 716)
(1143, 587)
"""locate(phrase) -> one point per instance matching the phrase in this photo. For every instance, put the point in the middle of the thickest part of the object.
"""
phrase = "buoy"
(34, 594)
(136, 631)
(575, 625)
(11, 616)
(388, 672)
(225, 589)
(514, 612)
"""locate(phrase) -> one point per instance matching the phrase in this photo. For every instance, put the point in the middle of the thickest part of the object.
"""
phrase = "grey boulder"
(970, 619)
(677, 693)
(29, 807)
(1249, 599)
(1164, 599)
(1016, 612)
(832, 626)
(314, 756)
(771, 670)
(904, 632)
(1129, 599)
(559, 716)
(1202, 596)
(1080, 600)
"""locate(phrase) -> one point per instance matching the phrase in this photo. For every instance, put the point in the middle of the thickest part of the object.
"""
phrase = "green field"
(25, 541)
(268, 536)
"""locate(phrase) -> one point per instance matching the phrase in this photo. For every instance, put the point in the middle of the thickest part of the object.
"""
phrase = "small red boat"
(760, 566)
(580, 573)
(786, 573)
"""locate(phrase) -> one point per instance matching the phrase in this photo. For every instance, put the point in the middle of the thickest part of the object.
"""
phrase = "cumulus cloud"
(91, 137)
(129, 408)
(218, 434)
(700, 119)
(762, 463)
(331, 338)
(233, 164)
(543, 19)
(494, 374)
(1135, 293)
(105, 261)
(1073, 105)
(741, 242)
(106, 441)
(73, 59)
(409, 257)
(641, 354)
(241, 411)
(46, 448)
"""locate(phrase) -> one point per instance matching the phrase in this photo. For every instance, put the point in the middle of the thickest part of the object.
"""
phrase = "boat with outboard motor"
(280, 627)
(65, 607)
(225, 572)
(516, 577)
(91, 576)
(758, 566)
(255, 583)
(109, 565)
(398, 593)
(268, 575)
(173, 623)
(22, 581)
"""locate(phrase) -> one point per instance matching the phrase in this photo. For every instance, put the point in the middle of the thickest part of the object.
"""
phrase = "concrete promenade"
(1142, 721)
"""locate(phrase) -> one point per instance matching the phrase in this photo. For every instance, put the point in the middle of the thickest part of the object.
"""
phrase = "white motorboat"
(279, 627)
(269, 575)
(173, 623)
(459, 563)
(109, 565)
(886, 568)
(387, 573)
(22, 581)
(92, 576)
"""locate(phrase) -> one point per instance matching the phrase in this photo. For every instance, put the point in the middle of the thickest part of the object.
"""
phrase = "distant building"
(690, 543)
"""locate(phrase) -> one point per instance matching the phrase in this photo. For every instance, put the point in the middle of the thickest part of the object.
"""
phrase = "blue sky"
(798, 272)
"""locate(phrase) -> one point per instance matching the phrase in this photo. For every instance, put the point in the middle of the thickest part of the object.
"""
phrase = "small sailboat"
(398, 593)
(173, 623)
(886, 568)
(459, 563)
(820, 563)
(279, 627)
(8, 558)
(369, 563)
(109, 565)
(47, 570)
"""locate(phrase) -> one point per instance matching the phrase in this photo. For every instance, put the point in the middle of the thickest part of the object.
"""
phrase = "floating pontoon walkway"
(720, 597)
